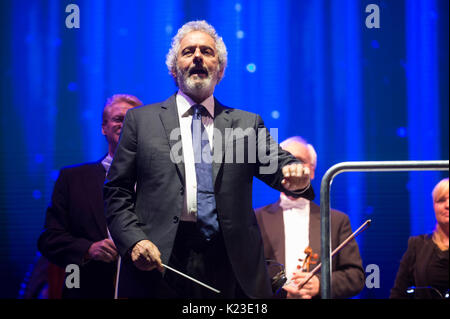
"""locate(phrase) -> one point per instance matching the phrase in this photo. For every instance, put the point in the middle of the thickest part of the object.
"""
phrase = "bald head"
(303, 151)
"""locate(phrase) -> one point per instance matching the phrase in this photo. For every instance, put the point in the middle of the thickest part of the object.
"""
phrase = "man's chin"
(198, 83)
(199, 89)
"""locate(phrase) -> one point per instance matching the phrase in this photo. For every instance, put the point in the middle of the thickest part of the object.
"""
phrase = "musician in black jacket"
(290, 225)
(424, 268)
(75, 229)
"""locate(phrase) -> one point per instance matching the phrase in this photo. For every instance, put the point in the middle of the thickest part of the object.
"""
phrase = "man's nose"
(198, 57)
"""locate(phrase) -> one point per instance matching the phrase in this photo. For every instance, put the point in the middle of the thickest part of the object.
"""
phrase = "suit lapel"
(170, 121)
(94, 192)
(276, 231)
(222, 121)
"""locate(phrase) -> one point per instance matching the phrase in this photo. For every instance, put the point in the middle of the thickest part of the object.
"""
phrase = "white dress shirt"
(296, 231)
(184, 104)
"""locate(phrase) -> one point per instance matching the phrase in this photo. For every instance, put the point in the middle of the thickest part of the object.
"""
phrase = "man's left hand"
(296, 177)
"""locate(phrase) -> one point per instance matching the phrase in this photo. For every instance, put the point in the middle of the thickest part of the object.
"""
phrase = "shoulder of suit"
(419, 238)
(238, 113)
(314, 208)
(338, 214)
(82, 168)
(271, 208)
(235, 112)
(155, 107)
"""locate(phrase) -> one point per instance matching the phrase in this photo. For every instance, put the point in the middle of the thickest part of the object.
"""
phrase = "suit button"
(175, 219)
(181, 191)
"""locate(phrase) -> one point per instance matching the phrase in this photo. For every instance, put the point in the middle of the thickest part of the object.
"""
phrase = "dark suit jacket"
(348, 274)
(74, 221)
(413, 270)
(149, 139)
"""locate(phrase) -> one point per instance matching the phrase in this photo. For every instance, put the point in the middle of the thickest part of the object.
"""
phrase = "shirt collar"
(106, 162)
(185, 103)
(287, 202)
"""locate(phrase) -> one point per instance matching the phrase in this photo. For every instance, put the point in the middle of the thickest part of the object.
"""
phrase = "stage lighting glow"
(275, 114)
(251, 67)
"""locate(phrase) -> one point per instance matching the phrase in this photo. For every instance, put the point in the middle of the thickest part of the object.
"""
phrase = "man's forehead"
(197, 38)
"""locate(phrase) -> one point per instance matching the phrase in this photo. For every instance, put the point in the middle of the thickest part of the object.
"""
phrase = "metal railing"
(381, 166)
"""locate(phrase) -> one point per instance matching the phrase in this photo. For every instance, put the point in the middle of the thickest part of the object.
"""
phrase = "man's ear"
(103, 129)
(173, 73)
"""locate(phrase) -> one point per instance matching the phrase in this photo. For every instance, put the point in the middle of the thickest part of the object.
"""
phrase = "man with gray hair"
(291, 225)
(192, 210)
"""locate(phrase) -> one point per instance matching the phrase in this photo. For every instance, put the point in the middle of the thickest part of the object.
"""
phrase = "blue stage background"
(309, 68)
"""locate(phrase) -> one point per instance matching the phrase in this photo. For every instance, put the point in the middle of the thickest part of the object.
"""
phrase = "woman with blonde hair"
(424, 271)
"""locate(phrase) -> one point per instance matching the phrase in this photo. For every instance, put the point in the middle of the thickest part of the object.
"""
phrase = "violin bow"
(342, 245)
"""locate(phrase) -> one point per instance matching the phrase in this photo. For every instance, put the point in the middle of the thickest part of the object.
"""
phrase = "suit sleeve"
(56, 242)
(405, 274)
(271, 159)
(118, 191)
(348, 276)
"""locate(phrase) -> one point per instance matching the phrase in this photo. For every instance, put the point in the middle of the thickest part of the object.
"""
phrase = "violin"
(310, 258)
(342, 245)
(280, 279)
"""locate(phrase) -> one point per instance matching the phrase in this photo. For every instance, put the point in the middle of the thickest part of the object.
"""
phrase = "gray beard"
(197, 90)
